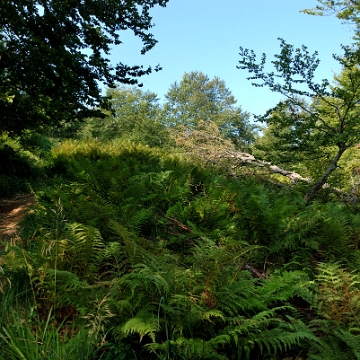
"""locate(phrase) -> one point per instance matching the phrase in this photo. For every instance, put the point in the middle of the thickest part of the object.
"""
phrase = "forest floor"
(11, 212)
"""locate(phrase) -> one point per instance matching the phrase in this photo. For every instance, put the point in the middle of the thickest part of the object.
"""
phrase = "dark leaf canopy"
(54, 56)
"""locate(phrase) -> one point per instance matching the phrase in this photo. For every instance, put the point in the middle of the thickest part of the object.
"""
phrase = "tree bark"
(322, 181)
(249, 159)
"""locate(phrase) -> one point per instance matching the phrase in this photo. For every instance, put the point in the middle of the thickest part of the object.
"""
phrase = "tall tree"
(54, 56)
(134, 116)
(321, 115)
(197, 98)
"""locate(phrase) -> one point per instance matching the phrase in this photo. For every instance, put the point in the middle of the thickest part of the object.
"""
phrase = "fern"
(337, 344)
(338, 293)
(64, 289)
(328, 351)
(143, 277)
(85, 245)
(149, 253)
(184, 348)
(282, 340)
(351, 340)
(144, 324)
(337, 306)
(265, 331)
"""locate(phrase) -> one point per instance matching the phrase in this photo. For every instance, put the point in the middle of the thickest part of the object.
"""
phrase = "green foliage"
(338, 294)
(316, 120)
(155, 257)
(34, 142)
(134, 117)
(46, 77)
(135, 252)
(345, 10)
(22, 341)
(337, 307)
(22, 160)
(197, 98)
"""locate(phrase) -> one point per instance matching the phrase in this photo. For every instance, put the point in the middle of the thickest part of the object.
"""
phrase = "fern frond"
(144, 277)
(338, 293)
(143, 324)
(85, 240)
(352, 341)
(328, 349)
(283, 285)
(213, 314)
(185, 348)
(279, 341)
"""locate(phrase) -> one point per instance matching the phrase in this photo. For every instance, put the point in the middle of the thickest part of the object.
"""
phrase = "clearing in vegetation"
(12, 211)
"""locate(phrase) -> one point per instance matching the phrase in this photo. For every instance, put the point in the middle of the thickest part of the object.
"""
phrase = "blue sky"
(205, 35)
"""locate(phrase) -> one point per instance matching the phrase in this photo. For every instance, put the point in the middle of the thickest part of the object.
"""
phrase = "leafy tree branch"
(54, 56)
(316, 116)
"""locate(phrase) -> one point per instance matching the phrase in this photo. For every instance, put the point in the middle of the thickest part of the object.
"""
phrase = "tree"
(321, 115)
(198, 98)
(346, 10)
(134, 116)
(54, 57)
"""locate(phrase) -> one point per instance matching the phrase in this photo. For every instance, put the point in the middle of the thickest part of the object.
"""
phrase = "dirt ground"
(11, 212)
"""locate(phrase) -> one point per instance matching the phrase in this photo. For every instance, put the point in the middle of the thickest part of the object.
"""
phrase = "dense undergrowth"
(135, 253)
(23, 159)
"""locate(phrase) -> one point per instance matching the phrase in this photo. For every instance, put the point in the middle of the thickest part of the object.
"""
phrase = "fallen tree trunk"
(249, 159)
(206, 143)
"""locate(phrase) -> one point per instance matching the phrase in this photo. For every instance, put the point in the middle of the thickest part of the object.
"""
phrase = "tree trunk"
(322, 181)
